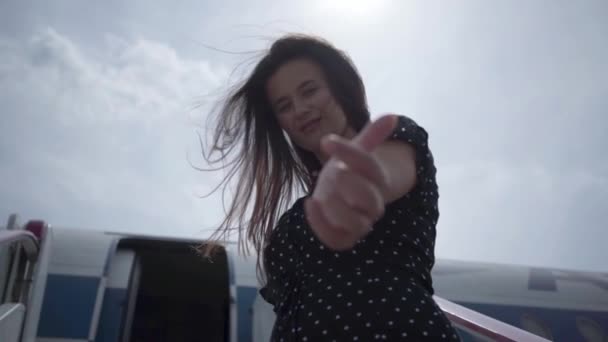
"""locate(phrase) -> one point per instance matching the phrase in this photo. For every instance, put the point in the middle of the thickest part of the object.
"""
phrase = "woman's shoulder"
(294, 211)
(292, 216)
(409, 130)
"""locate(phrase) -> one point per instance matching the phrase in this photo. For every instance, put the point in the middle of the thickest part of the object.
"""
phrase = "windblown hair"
(270, 169)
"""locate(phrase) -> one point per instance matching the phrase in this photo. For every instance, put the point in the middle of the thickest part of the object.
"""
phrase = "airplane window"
(535, 326)
(591, 330)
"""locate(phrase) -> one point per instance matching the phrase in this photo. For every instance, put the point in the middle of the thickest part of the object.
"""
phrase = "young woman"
(351, 259)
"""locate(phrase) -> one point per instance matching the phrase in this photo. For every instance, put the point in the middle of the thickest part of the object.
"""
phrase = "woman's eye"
(309, 91)
(283, 108)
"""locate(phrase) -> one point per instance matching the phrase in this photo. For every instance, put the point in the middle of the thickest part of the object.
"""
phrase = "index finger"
(360, 161)
(375, 133)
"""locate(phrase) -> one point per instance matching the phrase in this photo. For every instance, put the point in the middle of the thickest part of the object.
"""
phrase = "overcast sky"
(97, 102)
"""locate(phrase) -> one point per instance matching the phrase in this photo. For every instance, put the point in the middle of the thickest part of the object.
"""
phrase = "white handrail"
(28, 240)
(488, 327)
(11, 321)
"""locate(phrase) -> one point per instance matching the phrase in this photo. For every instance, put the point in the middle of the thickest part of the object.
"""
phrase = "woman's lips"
(309, 126)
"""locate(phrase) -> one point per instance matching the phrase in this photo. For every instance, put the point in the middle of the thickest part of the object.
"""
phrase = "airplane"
(59, 285)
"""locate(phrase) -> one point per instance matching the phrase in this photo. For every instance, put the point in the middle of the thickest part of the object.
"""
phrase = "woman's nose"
(301, 108)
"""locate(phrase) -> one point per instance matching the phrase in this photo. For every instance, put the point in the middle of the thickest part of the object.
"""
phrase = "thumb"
(375, 133)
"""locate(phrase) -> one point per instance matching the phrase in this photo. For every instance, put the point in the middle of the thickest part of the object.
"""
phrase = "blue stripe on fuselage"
(67, 308)
(112, 315)
(245, 298)
(69, 301)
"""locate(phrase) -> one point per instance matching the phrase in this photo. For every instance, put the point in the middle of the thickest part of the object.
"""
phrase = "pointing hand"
(349, 196)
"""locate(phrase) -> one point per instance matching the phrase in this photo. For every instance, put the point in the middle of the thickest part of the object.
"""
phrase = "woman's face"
(304, 105)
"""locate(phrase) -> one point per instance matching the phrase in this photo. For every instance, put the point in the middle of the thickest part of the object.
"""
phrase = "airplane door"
(120, 297)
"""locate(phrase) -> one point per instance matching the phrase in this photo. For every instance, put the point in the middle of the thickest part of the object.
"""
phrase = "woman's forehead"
(293, 74)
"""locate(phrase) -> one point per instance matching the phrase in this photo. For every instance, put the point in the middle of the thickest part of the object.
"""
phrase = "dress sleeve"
(268, 292)
(274, 267)
(409, 131)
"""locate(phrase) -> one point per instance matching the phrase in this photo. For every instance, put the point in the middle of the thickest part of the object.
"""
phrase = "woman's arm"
(398, 159)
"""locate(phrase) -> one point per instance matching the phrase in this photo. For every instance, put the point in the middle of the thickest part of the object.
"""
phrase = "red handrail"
(483, 325)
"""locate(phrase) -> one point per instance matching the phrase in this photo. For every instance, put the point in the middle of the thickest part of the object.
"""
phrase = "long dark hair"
(270, 169)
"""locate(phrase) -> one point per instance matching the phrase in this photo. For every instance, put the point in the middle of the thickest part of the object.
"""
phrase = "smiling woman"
(352, 258)
(300, 86)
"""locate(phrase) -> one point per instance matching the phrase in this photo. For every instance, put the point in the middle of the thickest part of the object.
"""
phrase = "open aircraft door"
(120, 297)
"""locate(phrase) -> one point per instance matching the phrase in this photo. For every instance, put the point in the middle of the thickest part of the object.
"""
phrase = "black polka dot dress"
(379, 290)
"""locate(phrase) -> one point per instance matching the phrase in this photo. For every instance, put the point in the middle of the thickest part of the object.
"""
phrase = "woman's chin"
(313, 147)
(311, 142)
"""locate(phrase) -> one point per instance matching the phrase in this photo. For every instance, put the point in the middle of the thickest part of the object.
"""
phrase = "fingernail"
(328, 141)
(331, 137)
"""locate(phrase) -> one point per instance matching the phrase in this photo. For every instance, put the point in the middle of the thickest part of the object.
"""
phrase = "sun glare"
(353, 7)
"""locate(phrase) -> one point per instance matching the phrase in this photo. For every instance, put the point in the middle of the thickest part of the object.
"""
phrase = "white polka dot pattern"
(381, 289)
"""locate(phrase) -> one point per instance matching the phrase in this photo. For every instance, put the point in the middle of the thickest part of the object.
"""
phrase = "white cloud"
(95, 125)
(532, 213)
(137, 80)
(106, 134)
